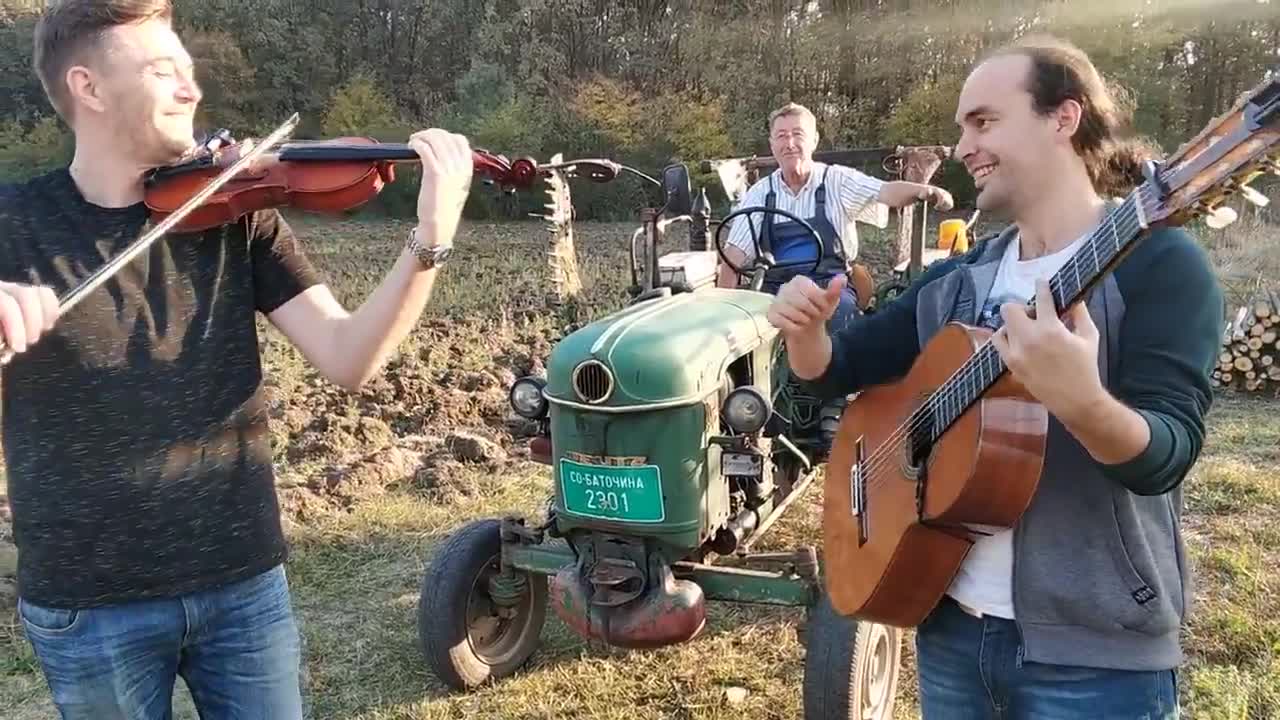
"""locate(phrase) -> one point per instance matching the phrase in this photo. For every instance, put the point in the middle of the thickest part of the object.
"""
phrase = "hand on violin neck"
(447, 169)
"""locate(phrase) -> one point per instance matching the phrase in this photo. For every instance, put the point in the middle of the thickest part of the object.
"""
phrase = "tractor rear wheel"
(474, 623)
(851, 668)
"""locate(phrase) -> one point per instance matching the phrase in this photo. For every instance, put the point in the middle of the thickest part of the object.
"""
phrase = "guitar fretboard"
(1104, 248)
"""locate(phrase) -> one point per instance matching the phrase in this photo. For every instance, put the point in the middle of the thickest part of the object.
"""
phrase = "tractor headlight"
(746, 409)
(527, 399)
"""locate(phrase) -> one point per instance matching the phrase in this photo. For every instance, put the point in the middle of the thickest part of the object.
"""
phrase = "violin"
(324, 176)
(224, 181)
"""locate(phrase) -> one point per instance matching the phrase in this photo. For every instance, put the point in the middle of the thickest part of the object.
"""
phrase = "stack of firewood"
(1250, 358)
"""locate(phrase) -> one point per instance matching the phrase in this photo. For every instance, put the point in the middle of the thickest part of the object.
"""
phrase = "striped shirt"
(851, 197)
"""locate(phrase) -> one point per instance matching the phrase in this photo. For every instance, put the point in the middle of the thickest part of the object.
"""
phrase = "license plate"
(741, 464)
(630, 493)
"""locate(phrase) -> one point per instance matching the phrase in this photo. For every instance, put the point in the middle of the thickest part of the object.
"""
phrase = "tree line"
(649, 82)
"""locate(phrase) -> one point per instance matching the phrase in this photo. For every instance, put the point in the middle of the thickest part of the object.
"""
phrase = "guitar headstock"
(1229, 153)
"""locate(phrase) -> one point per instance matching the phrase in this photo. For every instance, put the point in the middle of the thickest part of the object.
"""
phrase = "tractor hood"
(664, 352)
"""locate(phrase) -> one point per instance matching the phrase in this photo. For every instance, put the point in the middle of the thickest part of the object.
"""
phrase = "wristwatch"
(433, 256)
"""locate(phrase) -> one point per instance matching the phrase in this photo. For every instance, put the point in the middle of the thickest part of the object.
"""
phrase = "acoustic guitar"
(957, 440)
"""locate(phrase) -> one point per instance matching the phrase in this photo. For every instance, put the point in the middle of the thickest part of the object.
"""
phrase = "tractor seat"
(927, 258)
(862, 284)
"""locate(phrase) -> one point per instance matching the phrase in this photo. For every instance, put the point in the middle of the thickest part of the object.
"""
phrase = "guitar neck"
(1105, 248)
(328, 151)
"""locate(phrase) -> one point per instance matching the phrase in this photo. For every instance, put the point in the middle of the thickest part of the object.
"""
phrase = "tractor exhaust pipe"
(617, 604)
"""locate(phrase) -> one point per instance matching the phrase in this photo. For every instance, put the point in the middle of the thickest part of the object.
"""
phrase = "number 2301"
(601, 500)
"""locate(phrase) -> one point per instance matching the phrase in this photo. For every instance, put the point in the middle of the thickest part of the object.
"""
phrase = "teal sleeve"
(877, 348)
(1169, 342)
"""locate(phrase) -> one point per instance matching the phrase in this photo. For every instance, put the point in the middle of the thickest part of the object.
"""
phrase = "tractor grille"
(592, 382)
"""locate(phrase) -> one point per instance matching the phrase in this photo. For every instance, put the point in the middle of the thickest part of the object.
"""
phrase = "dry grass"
(1246, 254)
(356, 564)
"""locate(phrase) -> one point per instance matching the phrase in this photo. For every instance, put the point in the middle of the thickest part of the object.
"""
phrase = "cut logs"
(1250, 357)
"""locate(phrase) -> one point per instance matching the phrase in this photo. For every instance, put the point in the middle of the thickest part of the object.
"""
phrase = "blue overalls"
(790, 242)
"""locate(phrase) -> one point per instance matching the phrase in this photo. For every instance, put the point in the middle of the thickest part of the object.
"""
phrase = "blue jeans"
(972, 668)
(236, 647)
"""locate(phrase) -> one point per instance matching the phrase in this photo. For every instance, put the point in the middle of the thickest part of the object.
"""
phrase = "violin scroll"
(507, 174)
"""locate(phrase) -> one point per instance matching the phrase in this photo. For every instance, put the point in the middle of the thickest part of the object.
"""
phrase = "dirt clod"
(469, 447)
(367, 477)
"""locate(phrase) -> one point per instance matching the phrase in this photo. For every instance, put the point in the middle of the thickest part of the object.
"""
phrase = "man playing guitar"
(1076, 610)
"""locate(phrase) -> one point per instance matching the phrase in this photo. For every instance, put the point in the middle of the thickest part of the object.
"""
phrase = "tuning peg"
(1220, 217)
(1254, 196)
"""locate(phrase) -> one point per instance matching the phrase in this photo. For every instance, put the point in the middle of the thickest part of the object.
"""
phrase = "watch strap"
(429, 257)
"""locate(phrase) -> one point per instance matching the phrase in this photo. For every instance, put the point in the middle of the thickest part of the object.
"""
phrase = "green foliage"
(31, 151)
(698, 129)
(359, 107)
(229, 83)
(926, 116)
(483, 89)
(647, 83)
(616, 113)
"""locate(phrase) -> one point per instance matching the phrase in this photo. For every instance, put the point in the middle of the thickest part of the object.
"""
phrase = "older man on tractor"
(831, 198)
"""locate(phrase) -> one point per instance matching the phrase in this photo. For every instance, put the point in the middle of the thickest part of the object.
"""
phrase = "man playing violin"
(1076, 611)
(135, 426)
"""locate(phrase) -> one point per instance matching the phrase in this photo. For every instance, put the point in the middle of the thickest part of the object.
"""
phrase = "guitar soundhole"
(914, 462)
(917, 447)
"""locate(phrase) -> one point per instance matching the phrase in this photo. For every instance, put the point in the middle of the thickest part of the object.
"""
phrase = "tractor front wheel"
(851, 667)
(475, 622)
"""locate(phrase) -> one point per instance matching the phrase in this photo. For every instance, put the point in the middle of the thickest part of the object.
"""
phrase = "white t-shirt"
(985, 580)
(851, 197)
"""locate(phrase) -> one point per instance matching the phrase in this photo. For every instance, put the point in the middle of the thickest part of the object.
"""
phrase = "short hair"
(69, 29)
(792, 108)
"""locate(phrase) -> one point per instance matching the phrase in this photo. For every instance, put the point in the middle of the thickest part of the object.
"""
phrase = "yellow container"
(953, 236)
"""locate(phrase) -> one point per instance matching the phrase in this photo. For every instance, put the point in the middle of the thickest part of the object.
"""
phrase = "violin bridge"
(858, 491)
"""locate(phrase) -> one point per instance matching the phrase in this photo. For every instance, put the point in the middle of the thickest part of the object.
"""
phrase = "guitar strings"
(946, 391)
(879, 459)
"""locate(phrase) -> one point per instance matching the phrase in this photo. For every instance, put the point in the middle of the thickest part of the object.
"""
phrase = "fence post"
(916, 164)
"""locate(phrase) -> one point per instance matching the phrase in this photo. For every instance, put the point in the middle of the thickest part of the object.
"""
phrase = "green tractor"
(670, 458)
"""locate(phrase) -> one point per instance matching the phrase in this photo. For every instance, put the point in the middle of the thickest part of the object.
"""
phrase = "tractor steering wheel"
(762, 258)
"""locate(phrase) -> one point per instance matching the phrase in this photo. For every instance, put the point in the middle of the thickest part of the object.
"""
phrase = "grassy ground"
(371, 489)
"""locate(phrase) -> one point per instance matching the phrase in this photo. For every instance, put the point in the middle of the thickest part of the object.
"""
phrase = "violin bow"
(72, 297)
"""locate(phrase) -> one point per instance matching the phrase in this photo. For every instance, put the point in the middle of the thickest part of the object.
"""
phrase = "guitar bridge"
(858, 491)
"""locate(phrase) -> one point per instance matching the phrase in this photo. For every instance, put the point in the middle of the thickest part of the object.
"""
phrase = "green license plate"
(631, 493)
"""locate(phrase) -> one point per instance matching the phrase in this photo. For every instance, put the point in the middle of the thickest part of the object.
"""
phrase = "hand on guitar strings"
(1056, 361)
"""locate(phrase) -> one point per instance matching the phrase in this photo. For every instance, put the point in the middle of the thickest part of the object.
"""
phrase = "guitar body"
(894, 564)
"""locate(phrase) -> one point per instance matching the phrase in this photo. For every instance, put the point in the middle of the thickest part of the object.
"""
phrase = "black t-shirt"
(135, 434)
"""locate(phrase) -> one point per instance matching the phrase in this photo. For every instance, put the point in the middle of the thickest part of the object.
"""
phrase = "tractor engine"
(634, 410)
